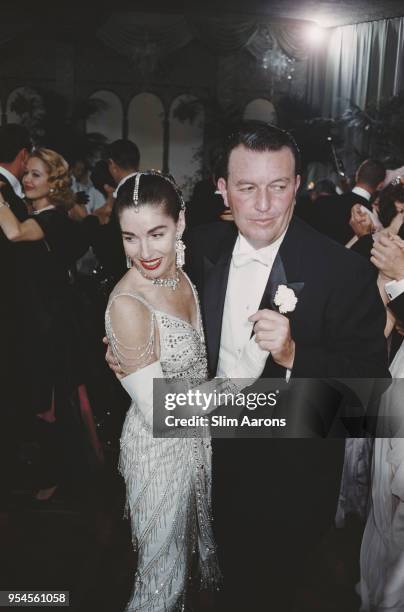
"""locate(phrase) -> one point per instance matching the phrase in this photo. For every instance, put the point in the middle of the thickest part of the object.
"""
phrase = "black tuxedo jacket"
(331, 215)
(339, 319)
(9, 257)
(7, 248)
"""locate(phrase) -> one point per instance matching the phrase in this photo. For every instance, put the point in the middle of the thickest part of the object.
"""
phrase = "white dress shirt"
(14, 182)
(362, 192)
(245, 287)
(394, 288)
(95, 197)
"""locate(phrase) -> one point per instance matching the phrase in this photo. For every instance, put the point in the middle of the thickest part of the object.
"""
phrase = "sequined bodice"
(182, 348)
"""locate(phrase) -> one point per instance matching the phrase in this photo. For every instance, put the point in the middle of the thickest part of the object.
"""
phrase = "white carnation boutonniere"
(285, 299)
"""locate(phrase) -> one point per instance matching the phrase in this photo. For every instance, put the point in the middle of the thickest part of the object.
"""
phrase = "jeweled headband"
(166, 177)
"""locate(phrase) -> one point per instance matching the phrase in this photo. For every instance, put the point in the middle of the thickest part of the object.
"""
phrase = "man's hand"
(81, 198)
(272, 333)
(388, 256)
(112, 362)
(360, 221)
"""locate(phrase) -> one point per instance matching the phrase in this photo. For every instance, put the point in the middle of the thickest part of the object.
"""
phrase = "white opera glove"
(139, 385)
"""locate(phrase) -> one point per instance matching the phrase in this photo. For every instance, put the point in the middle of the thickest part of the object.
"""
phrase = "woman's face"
(149, 236)
(35, 179)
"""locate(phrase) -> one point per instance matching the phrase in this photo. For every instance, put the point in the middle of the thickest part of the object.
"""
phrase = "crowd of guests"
(61, 254)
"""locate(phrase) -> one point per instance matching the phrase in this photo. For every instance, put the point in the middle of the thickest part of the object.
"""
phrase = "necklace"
(167, 282)
(172, 283)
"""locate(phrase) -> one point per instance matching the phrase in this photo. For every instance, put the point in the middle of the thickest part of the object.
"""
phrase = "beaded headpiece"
(166, 177)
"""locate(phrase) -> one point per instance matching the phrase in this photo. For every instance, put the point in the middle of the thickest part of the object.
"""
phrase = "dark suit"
(331, 215)
(275, 498)
(9, 255)
(11, 398)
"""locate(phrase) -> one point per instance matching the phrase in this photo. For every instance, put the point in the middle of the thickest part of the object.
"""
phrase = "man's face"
(79, 170)
(260, 191)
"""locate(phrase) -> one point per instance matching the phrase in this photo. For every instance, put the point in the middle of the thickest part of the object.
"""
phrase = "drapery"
(360, 63)
(127, 32)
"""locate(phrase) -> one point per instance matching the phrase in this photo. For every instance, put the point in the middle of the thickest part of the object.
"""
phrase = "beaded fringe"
(168, 488)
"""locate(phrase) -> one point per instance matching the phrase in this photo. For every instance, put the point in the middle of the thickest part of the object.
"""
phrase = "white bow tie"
(241, 259)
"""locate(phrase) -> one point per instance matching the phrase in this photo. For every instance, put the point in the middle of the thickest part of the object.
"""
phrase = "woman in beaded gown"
(154, 330)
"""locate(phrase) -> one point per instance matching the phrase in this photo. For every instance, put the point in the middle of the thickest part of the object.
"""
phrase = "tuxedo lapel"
(216, 274)
(285, 269)
(277, 277)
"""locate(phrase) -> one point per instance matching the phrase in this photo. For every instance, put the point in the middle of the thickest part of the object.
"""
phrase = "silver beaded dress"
(168, 480)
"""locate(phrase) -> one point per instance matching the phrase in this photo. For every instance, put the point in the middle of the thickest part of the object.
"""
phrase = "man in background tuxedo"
(331, 216)
(14, 149)
(273, 499)
(123, 158)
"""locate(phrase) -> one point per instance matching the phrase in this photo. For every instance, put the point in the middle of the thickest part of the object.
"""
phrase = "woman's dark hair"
(388, 196)
(154, 190)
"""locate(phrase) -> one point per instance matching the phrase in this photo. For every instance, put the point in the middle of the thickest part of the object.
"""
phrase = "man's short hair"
(371, 172)
(13, 138)
(124, 153)
(257, 136)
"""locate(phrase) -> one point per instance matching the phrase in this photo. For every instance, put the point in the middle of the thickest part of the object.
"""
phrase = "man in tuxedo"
(14, 147)
(331, 216)
(273, 499)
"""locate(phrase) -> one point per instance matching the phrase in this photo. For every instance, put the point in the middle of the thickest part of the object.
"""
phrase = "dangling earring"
(51, 190)
(179, 252)
(129, 262)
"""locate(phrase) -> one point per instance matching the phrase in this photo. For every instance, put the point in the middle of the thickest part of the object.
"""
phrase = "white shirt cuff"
(394, 288)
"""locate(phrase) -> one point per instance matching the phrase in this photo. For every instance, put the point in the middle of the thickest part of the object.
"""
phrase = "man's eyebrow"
(281, 178)
(250, 182)
(244, 182)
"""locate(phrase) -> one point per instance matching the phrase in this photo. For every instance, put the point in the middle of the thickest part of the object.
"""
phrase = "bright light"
(314, 35)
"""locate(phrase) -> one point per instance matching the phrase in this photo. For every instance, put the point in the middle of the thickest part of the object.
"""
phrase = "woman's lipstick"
(150, 264)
